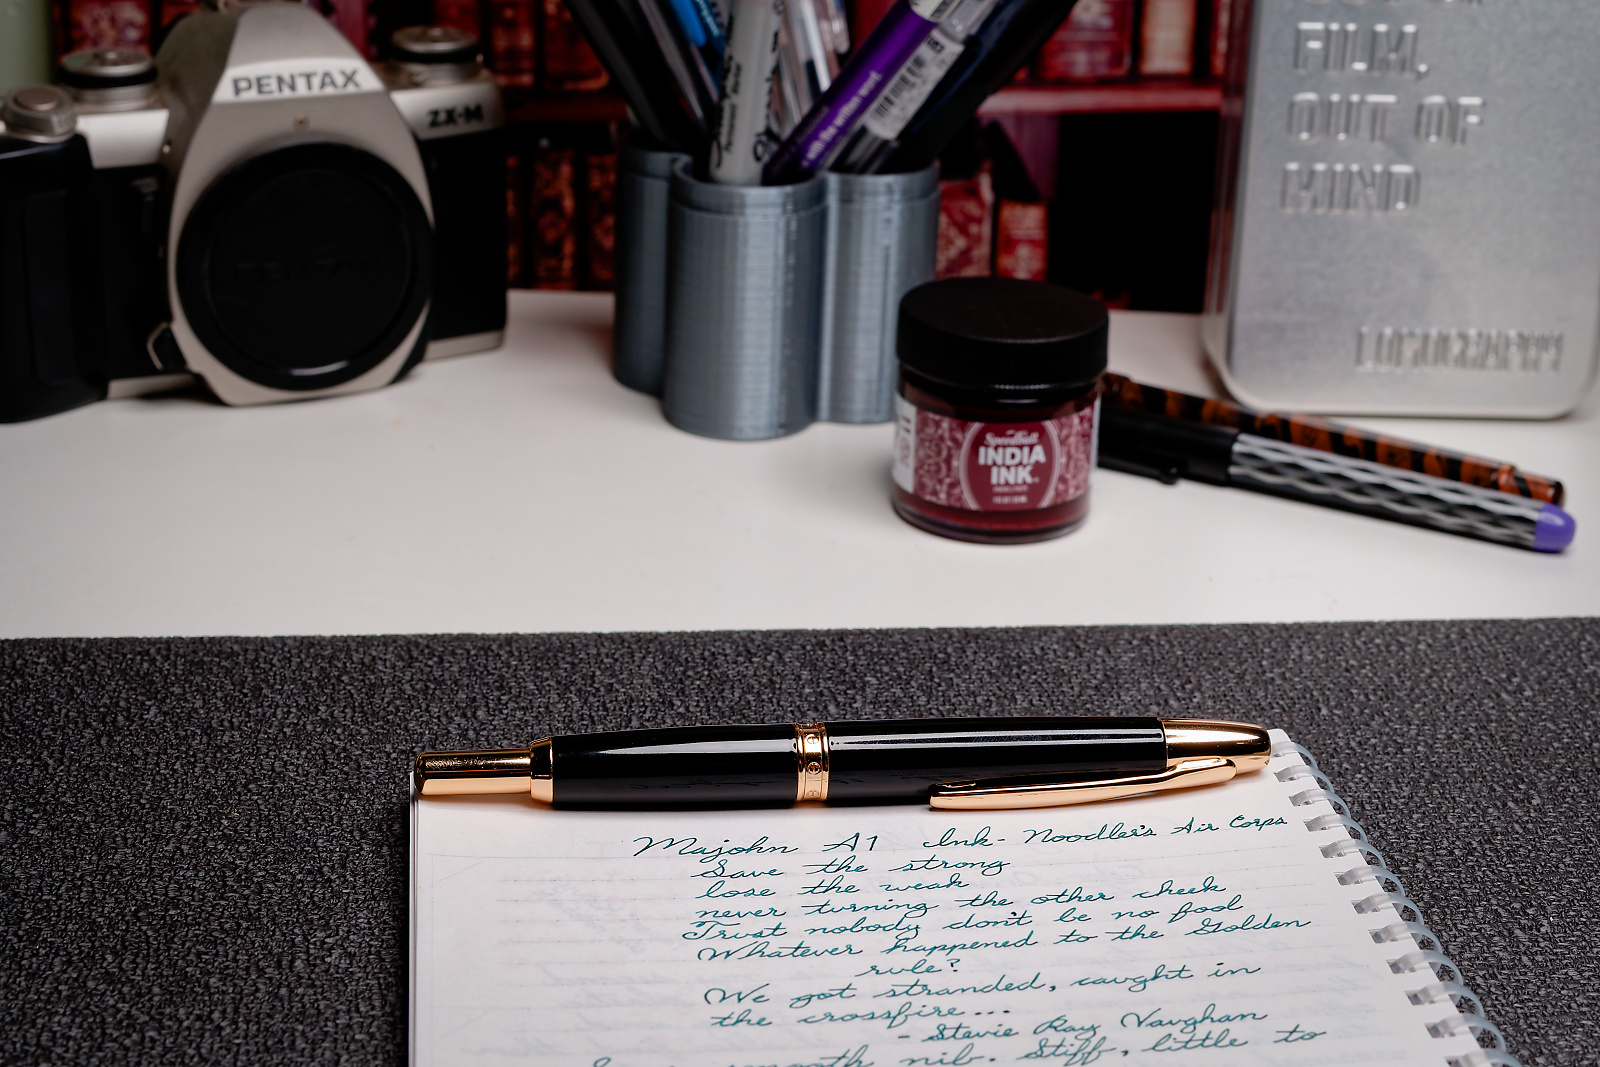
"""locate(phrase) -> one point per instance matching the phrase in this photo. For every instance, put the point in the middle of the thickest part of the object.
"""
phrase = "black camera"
(257, 206)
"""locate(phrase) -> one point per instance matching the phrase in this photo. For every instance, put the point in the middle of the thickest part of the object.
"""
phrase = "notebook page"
(1194, 927)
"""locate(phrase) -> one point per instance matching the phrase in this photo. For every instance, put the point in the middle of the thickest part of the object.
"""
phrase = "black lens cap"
(1005, 333)
(307, 266)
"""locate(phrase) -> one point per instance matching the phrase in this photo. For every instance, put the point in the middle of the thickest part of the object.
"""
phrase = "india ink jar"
(998, 407)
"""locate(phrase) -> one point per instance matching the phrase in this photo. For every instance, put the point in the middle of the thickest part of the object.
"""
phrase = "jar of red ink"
(998, 408)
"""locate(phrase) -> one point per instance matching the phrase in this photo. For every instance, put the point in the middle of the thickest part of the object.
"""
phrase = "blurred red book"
(1094, 44)
(1221, 23)
(1166, 38)
(459, 14)
(513, 51)
(600, 220)
(553, 214)
(101, 24)
(516, 221)
(570, 65)
(865, 16)
(966, 226)
(1022, 240)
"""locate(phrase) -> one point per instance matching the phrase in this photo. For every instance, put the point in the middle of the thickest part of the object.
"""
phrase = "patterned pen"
(1139, 442)
(1310, 432)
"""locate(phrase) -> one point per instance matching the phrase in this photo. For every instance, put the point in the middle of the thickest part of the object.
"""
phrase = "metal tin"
(883, 234)
(1409, 212)
(744, 306)
(638, 342)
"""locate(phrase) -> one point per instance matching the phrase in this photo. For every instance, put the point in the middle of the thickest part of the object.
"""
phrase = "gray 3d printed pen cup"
(883, 234)
(744, 306)
(642, 193)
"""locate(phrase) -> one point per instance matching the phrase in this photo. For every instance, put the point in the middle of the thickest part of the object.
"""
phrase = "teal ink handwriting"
(1170, 889)
(964, 1032)
(1138, 983)
(1210, 1039)
(946, 1059)
(717, 892)
(766, 950)
(951, 839)
(1189, 907)
(987, 868)
(852, 843)
(1240, 822)
(805, 1000)
(718, 995)
(744, 1017)
(972, 922)
(1073, 896)
(918, 988)
(1190, 827)
(961, 946)
(1106, 832)
(714, 930)
(690, 846)
(953, 882)
(1070, 1051)
(991, 899)
(1185, 1024)
(914, 909)
(1249, 922)
(892, 1017)
(1294, 1033)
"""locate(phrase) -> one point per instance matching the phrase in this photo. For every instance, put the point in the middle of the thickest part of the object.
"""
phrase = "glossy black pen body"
(954, 762)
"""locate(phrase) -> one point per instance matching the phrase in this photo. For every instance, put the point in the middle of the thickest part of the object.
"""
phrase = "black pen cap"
(1002, 334)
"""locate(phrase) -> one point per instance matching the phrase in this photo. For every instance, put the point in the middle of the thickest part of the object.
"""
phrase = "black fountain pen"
(967, 763)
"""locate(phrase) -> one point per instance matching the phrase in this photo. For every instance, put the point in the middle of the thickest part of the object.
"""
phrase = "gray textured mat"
(203, 842)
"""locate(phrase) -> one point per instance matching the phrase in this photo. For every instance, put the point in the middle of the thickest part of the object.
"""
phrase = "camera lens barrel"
(41, 113)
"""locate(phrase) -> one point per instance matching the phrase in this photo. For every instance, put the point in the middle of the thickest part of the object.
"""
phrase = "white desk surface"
(525, 490)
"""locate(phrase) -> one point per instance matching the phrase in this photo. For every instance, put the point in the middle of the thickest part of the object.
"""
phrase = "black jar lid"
(1002, 333)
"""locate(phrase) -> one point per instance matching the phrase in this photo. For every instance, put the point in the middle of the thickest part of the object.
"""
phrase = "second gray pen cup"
(643, 180)
(744, 306)
(883, 235)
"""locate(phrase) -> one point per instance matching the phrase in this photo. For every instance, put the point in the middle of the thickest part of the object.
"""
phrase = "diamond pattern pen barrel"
(955, 762)
(1138, 442)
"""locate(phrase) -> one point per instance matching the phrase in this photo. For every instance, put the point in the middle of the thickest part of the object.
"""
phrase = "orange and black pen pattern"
(1308, 431)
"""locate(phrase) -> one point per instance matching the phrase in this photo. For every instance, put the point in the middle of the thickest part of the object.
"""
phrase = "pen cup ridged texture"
(883, 232)
(744, 307)
(643, 192)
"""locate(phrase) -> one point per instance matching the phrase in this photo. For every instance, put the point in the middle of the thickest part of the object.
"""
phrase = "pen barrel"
(713, 766)
(903, 759)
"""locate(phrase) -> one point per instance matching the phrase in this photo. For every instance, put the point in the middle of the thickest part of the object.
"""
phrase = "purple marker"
(829, 123)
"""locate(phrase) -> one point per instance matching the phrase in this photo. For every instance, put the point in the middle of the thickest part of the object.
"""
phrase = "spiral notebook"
(1241, 924)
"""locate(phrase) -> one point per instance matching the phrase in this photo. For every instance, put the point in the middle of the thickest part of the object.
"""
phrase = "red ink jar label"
(993, 466)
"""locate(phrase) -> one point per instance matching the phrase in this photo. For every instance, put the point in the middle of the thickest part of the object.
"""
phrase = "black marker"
(1008, 38)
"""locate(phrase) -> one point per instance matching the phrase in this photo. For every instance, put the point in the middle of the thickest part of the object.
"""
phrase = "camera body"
(269, 214)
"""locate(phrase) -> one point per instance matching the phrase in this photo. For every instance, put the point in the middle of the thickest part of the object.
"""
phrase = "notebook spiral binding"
(1374, 870)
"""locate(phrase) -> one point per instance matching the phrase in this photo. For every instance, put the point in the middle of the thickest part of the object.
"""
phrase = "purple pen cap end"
(1554, 530)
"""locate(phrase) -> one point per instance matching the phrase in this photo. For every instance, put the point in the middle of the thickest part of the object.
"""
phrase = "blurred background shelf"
(1103, 99)
(1037, 100)
(565, 107)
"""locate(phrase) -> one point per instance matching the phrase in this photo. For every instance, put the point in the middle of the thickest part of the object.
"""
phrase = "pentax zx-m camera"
(257, 207)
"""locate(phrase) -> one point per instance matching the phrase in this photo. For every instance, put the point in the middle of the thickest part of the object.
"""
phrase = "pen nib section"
(990, 794)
